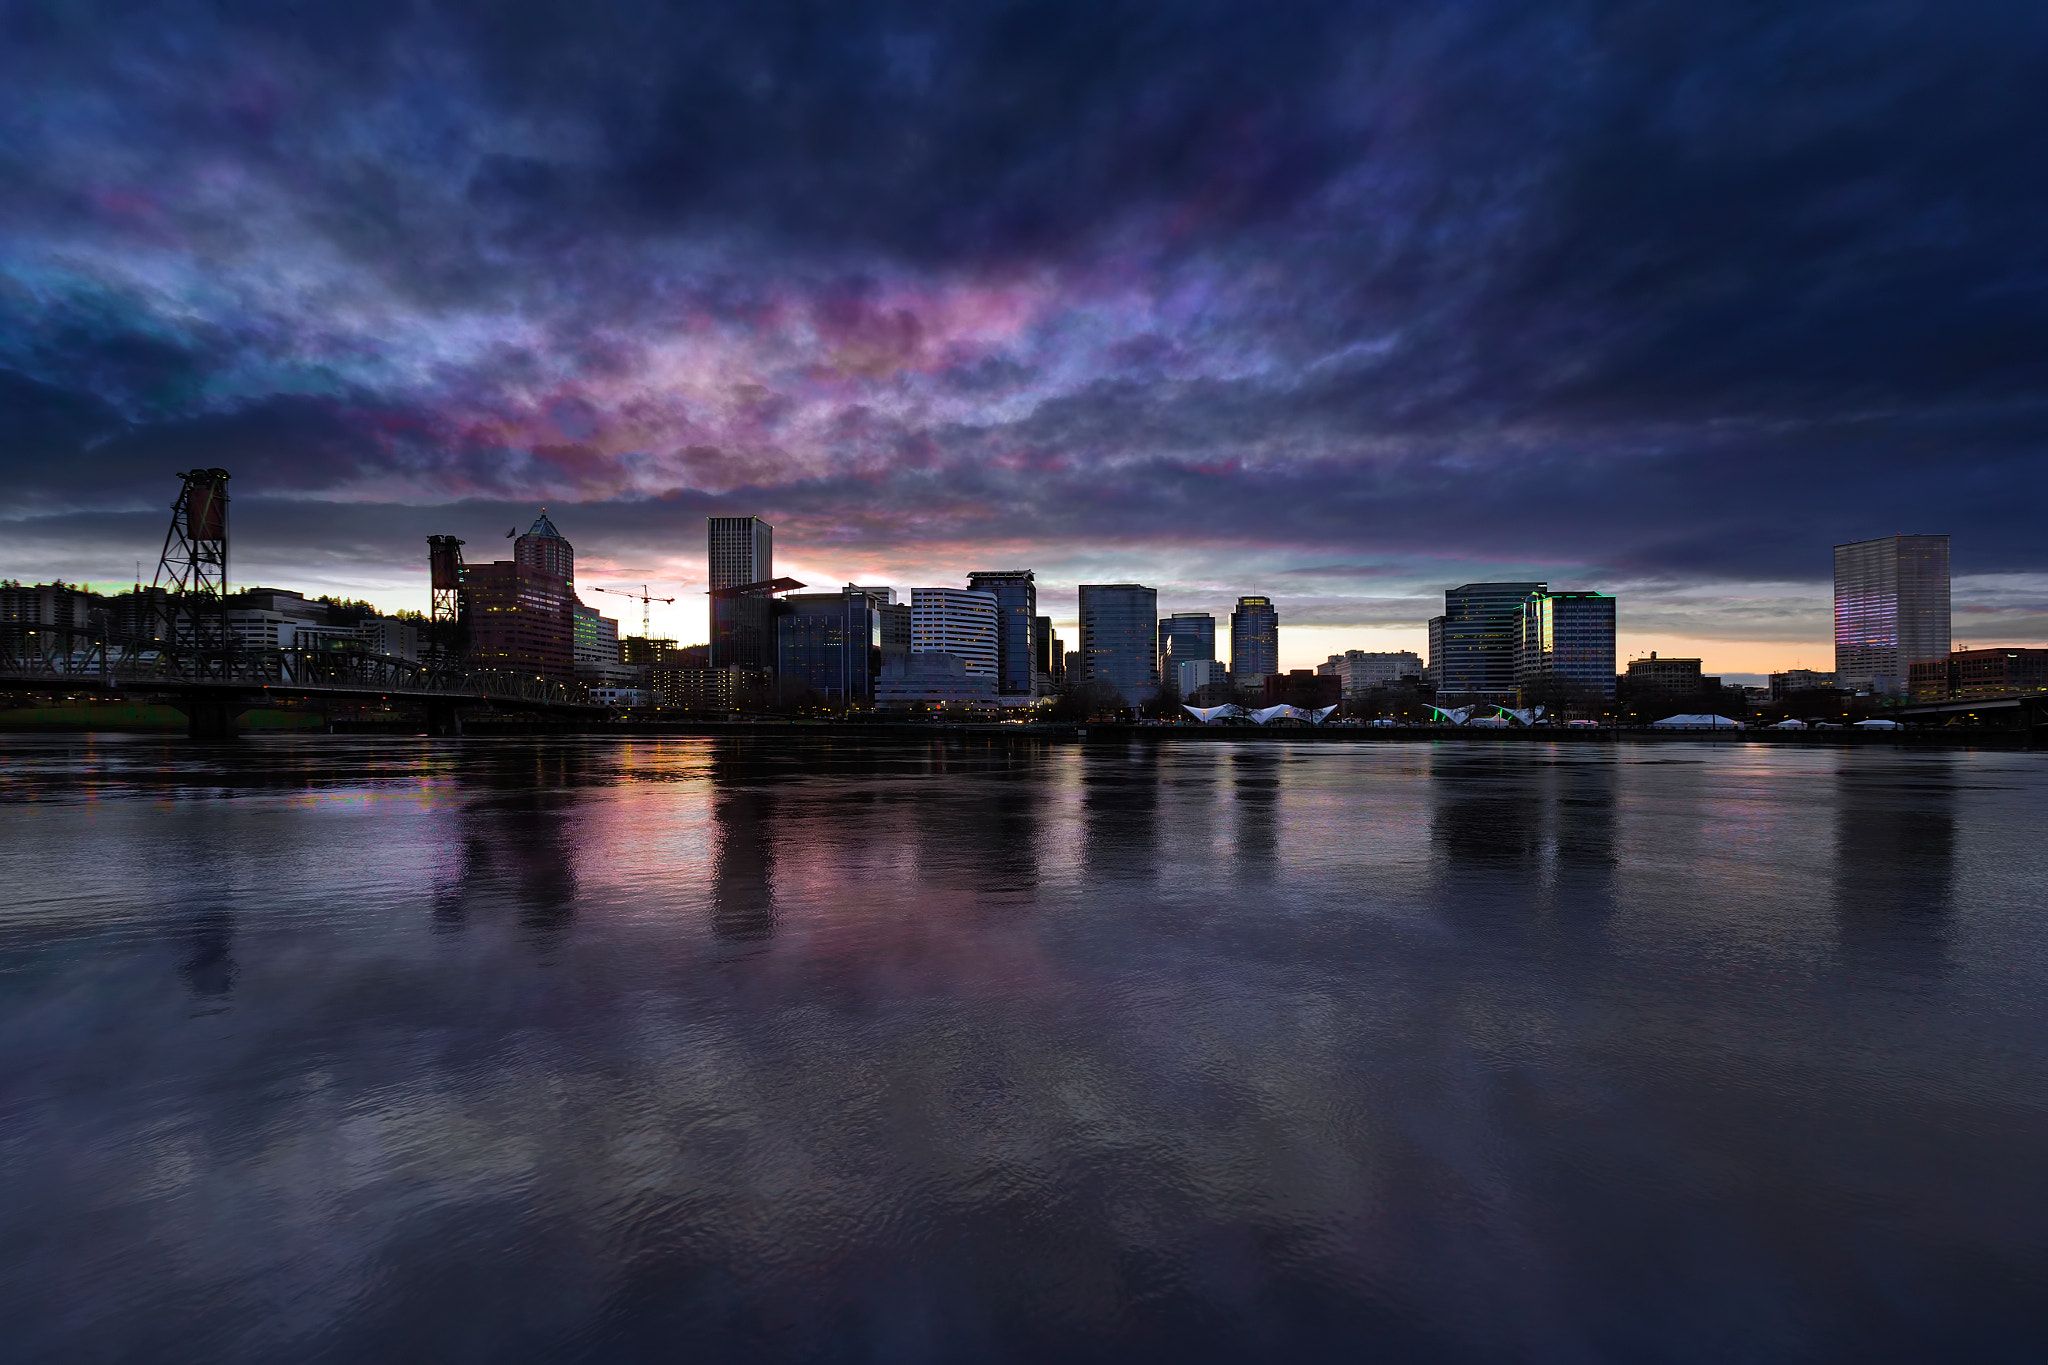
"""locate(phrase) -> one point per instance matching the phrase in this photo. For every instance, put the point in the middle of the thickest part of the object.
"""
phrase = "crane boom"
(646, 601)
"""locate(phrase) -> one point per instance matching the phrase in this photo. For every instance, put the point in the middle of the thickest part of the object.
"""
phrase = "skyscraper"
(742, 551)
(1472, 645)
(1254, 640)
(1016, 594)
(1891, 610)
(957, 622)
(1566, 645)
(1120, 638)
(1185, 637)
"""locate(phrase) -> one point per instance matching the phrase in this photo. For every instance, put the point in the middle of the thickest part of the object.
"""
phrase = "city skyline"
(1344, 309)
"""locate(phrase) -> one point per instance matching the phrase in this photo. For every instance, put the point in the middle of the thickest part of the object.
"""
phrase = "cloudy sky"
(1345, 304)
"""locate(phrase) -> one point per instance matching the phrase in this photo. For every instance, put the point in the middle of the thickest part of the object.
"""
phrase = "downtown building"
(1120, 639)
(519, 614)
(1891, 610)
(1254, 641)
(1566, 648)
(1185, 637)
(1359, 671)
(829, 645)
(1048, 655)
(1472, 646)
(742, 555)
(1016, 596)
(959, 622)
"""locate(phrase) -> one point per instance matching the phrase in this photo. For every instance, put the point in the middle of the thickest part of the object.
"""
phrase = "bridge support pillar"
(211, 719)
(443, 718)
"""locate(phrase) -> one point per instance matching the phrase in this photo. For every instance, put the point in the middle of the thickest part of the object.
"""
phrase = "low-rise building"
(1359, 671)
(1793, 680)
(929, 678)
(1969, 674)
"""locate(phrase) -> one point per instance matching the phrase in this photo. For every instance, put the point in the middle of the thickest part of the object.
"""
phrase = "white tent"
(1209, 715)
(1272, 713)
(1879, 725)
(1794, 724)
(1695, 722)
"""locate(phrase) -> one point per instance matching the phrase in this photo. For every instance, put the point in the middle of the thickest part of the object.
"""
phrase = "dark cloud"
(1659, 288)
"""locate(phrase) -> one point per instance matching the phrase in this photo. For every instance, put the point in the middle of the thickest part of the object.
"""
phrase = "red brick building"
(520, 612)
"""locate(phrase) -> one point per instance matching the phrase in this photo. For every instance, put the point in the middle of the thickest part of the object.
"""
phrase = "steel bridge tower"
(193, 570)
(444, 612)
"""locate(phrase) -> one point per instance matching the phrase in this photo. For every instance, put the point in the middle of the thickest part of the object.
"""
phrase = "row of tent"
(1701, 722)
(1213, 715)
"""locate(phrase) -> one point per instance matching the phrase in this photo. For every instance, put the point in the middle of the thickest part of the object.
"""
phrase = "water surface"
(503, 1050)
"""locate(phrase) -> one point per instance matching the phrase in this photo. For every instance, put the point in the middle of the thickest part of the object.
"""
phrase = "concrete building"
(831, 644)
(1192, 675)
(391, 637)
(596, 638)
(46, 604)
(1254, 640)
(702, 689)
(741, 551)
(958, 622)
(1794, 680)
(1566, 646)
(932, 679)
(1302, 687)
(1359, 671)
(1185, 636)
(1655, 677)
(1472, 645)
(1968, 674)
(1016, 595)
(1891, 610)
(1120, 638)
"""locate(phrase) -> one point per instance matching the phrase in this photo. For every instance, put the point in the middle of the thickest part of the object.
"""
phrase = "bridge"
(2021, 710)
(212, 686)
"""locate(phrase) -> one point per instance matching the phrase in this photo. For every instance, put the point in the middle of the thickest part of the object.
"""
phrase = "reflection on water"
(1895, 846)
(755, 1050)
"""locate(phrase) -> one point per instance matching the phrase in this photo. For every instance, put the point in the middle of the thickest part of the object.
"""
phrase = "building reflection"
(208, 967)
(1895, 848)
(744, 811)
(518, 842)
(1487, 807)
(1255, 788)
(1120, 812)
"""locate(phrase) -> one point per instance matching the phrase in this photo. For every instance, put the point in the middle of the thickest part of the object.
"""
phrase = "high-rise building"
(831, 643)
(1016, 594)
(1567, 642)
(1048, 656)
(742, 552)
(1184, 637)
(896, 619)
(1254, 640)
(958, 622)
(543, 548)
(519, 613)
(1891, 610)
(1120, 638)
(1472, 645)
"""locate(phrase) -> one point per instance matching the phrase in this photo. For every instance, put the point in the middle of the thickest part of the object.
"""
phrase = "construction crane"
(646, 606)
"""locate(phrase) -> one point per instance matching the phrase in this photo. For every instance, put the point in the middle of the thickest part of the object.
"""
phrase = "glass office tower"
(1185, 637)
(1891, 610)
(1472, 645)
(1567, 638)
(742, 551)
(1016, 597)
(1254, 640)
(1120, 638)
(830, 642)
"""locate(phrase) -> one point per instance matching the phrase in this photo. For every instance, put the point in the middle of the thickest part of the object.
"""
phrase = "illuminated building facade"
(1891, 610)
(958, 622)
(741, 551)
(1472, 645)
(1567, 639)
(1254, 640)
